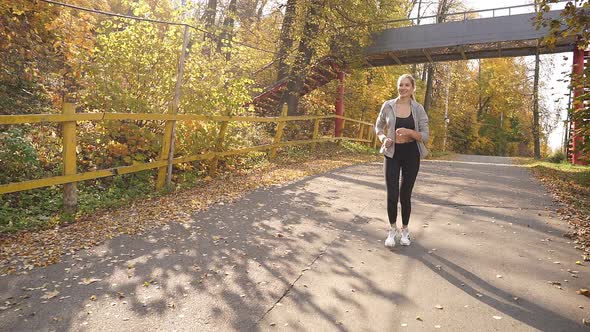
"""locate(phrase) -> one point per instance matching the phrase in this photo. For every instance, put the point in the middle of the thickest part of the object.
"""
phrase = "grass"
(571, 183)
(441, 155)
(41, 208)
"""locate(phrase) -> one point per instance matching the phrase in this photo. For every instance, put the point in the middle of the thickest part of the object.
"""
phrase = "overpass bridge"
(462, 37)
(493, 37)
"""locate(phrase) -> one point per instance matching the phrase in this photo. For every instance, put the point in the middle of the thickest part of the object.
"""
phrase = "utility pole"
(447, 107)
(536, 135)
(536, 138)
(417, 23)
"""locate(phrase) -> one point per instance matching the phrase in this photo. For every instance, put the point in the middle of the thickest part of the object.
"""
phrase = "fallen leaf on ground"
(88, 281)
(575, 197)
(49, 295)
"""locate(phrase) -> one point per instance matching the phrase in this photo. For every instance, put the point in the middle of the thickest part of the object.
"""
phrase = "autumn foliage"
(51, 54)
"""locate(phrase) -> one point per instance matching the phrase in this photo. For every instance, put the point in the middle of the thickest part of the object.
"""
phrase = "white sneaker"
(405, 238)
(390, 241)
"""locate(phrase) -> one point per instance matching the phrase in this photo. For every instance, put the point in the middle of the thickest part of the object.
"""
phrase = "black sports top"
(405, 122)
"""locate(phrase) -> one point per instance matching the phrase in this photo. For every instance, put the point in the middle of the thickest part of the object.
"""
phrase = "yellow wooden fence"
(69, 119)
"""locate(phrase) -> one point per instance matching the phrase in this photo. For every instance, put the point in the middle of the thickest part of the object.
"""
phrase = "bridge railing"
(69, 119)
(467, 15)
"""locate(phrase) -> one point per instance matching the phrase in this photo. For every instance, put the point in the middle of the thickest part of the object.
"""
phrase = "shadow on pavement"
(522, 309)
(226, 266)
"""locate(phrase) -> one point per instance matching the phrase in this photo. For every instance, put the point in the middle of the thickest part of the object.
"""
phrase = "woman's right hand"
(388, 142)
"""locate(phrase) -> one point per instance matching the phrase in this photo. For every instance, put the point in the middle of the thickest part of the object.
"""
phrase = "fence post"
(361, 130)
(316, 130)
(164, 154)
(279, 133)
(69, 158)
(218, 148)
(167, 152)
(342, 124)
(370, 132)
(375, 140)
(339, 110)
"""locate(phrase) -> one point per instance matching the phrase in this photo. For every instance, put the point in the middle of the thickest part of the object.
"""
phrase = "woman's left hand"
(404, 132)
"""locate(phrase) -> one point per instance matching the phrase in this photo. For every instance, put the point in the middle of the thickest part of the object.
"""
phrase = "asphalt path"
(487, 255)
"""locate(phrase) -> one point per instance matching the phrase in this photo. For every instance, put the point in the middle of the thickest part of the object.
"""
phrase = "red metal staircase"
(322, 72)
(581, 65)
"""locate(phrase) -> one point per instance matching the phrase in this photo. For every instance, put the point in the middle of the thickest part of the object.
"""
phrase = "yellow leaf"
(49, 295)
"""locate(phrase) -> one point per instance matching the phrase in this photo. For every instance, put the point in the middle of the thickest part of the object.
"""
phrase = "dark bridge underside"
(506, 36)
(481, 51)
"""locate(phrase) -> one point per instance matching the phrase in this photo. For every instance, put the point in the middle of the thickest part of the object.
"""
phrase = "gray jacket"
(387, 117)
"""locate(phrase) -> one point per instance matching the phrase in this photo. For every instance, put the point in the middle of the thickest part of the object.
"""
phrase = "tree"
(574, 21)
(286, 39)
(441, 12)
(304, 55)
(26, 58)
(227, 29)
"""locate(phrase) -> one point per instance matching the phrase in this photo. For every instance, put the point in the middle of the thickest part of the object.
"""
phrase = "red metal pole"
(578, 71)
(339, 105)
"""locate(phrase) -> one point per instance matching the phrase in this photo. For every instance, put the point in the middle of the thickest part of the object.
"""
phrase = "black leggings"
(407, 159)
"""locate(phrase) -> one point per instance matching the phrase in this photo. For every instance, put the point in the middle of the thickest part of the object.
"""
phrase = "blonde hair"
(412, 80)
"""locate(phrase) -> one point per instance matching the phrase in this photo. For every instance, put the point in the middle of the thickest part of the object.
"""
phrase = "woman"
(402, 146)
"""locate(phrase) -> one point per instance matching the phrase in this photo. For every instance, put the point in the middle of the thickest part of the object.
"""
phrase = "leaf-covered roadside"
(570, 185)
(21, 252)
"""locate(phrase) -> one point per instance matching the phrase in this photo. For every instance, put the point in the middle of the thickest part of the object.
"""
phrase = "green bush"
(557, 157)
(18, 157)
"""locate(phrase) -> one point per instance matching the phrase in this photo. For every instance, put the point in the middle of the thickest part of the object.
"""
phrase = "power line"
(137, 18)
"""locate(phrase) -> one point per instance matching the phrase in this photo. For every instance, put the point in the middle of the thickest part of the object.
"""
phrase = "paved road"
(310, 256)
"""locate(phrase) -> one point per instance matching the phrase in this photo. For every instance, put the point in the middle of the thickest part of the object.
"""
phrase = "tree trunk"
(246, 13)
(479, 103)
(261, 10)
(304, 56)
(209, 18)
(443, 8)
(428, 94)
(228, 26)
(536, 138)
(286, 39)
(447, 96)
